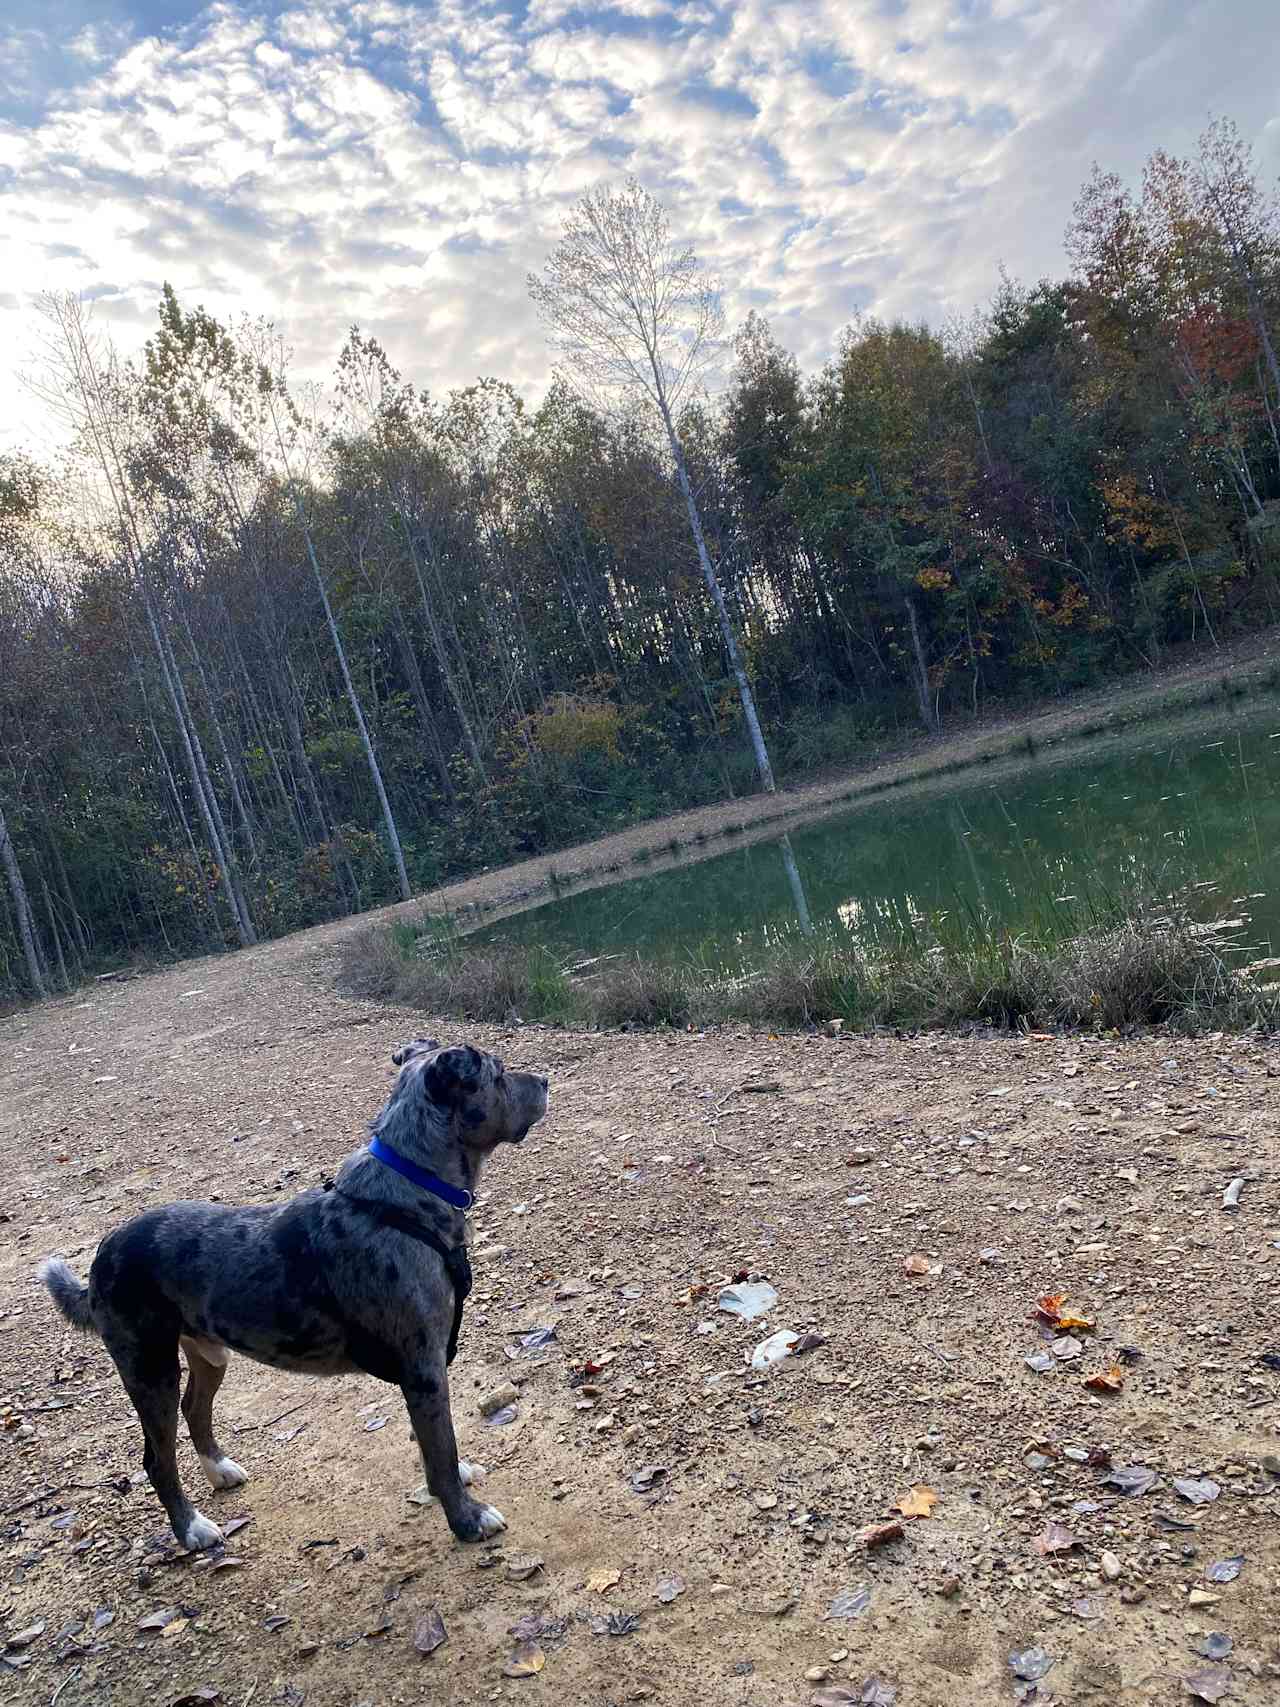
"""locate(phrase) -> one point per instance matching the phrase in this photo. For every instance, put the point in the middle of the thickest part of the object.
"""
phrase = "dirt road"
(1016, 1167)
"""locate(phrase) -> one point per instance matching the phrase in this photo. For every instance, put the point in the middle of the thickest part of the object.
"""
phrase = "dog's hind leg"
(206, 1365)
(426, 1393)
(150, 1376)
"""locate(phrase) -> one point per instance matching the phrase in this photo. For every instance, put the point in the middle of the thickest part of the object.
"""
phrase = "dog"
(367, 1274)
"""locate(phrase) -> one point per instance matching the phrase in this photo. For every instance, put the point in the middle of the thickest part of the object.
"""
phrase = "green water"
(1191, 807)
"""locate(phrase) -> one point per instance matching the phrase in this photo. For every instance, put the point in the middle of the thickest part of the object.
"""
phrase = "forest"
(272, 653)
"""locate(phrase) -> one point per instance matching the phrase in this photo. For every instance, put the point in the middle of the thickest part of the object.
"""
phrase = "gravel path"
(1014, 1167)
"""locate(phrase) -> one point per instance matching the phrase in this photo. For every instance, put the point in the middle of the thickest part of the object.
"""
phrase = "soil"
(669, 1163)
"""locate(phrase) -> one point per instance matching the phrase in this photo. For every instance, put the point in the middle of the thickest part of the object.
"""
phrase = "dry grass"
(1138, 967)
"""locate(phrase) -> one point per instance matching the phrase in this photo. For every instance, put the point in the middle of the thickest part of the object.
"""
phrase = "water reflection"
(798, 897)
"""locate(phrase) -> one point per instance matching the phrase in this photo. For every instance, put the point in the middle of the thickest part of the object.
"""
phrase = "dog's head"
(469, 1092)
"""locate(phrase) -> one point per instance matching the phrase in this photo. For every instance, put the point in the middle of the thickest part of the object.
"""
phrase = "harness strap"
(456, 1261)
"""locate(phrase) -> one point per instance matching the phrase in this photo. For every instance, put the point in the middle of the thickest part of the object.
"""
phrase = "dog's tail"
(69, 1294)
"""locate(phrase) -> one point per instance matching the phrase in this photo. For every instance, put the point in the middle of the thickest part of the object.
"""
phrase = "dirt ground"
(1016, 1167)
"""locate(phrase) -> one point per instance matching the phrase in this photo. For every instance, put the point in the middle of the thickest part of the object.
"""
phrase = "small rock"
(1202, 1597)
(499, 1399)
(1132, 1596)
(949, 1587)
(1110, 1566)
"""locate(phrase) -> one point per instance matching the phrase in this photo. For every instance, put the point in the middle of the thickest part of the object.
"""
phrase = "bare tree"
(636, 317)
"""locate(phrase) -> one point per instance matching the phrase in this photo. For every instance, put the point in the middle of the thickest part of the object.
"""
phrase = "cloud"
(406, 164)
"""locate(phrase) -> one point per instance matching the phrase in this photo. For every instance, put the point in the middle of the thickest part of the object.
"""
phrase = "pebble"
(499, 1399)
(1111, 1566)
(1201, 1597)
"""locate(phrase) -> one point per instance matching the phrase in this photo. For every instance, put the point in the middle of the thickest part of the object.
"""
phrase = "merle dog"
(368, 1275)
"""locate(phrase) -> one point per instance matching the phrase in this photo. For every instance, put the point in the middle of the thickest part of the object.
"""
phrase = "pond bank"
(1249, 668)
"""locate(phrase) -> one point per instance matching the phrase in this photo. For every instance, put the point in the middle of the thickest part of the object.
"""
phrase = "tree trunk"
(371, 758)
(22, 909)
(727, 634)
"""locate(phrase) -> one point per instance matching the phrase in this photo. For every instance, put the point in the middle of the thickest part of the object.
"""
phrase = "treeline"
(267, 656)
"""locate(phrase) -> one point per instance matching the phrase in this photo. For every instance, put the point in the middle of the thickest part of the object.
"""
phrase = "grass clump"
(1094, 966)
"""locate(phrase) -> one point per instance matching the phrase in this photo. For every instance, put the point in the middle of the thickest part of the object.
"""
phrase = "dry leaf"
(519, 1569)
(1057, 1538)
(600, 1582)
(1210, 1683)
(1108, 1381)
(157, 1620)
(526, 1661)
(880, 1533)
(1083, 1323)
(918, 1501)
(429, 1632)
(915, 1264)
(670, 1588)
(1048, 1307)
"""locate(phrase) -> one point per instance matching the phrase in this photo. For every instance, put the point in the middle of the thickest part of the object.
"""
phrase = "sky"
(403, 164)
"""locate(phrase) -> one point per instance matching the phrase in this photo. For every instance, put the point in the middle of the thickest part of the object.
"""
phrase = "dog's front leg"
(427, 1397)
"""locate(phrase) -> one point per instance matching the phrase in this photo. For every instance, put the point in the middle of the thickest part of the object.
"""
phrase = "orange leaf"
(915, 1265)
(918, 1501)
(1081, 1322)
(1049, 1306)
(1110, 1382)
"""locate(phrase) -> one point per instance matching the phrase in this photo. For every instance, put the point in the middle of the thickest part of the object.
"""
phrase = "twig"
(942, 1356)
(247, 1428)
(67, 1680)
(48, 1494)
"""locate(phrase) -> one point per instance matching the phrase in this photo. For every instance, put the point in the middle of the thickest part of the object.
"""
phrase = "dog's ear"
(407, 1051)
(453, 1072)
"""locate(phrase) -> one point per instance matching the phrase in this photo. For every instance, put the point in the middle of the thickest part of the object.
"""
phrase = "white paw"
(224, 1472)
(200, 1534)
(492, 1521)
(470, 1474)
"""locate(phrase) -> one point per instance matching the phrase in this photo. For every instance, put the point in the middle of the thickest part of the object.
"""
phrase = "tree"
(637, 318)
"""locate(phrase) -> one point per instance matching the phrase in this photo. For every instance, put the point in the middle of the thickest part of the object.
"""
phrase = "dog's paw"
(200, 1534)
(470, 1474)
(478, 1522)
(224, 1472)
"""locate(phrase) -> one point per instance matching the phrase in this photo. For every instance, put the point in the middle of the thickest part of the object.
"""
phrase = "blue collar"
(457, 1195)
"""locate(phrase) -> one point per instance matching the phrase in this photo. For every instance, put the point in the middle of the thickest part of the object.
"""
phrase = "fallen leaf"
(375, 1423)
(233, 1524)
(880, 1533)
(916, 1264)
(1215, 1645)
(24, 1638)
(670, 1588)
(519, 1570)
(1087, 1609)
(616, 1624)
(808, 1342)
(849, 1603)
(876, 1693)
(158, 1619)
(1106, 1381)
(835, 1695)
(1040, 1361)
(526, 1661)
(1210, 1683)
(1030, 1664)
(1131, 1479)
(1197, 1490)
(1065, 1348)
(1224, 1570)
(600, 1582)
(276, 1622)
(1057, 1538)
(1048, 1307)
(429, 1632)
(539, 1627)
(644, 1478)
(918, 1501)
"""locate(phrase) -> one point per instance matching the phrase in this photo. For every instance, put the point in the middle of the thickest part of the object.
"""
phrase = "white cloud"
(406, 164)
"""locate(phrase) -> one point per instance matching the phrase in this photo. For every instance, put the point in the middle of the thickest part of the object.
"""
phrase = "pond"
(1191, 807)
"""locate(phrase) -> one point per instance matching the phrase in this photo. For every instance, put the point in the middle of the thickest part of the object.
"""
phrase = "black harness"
(454, 1257)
